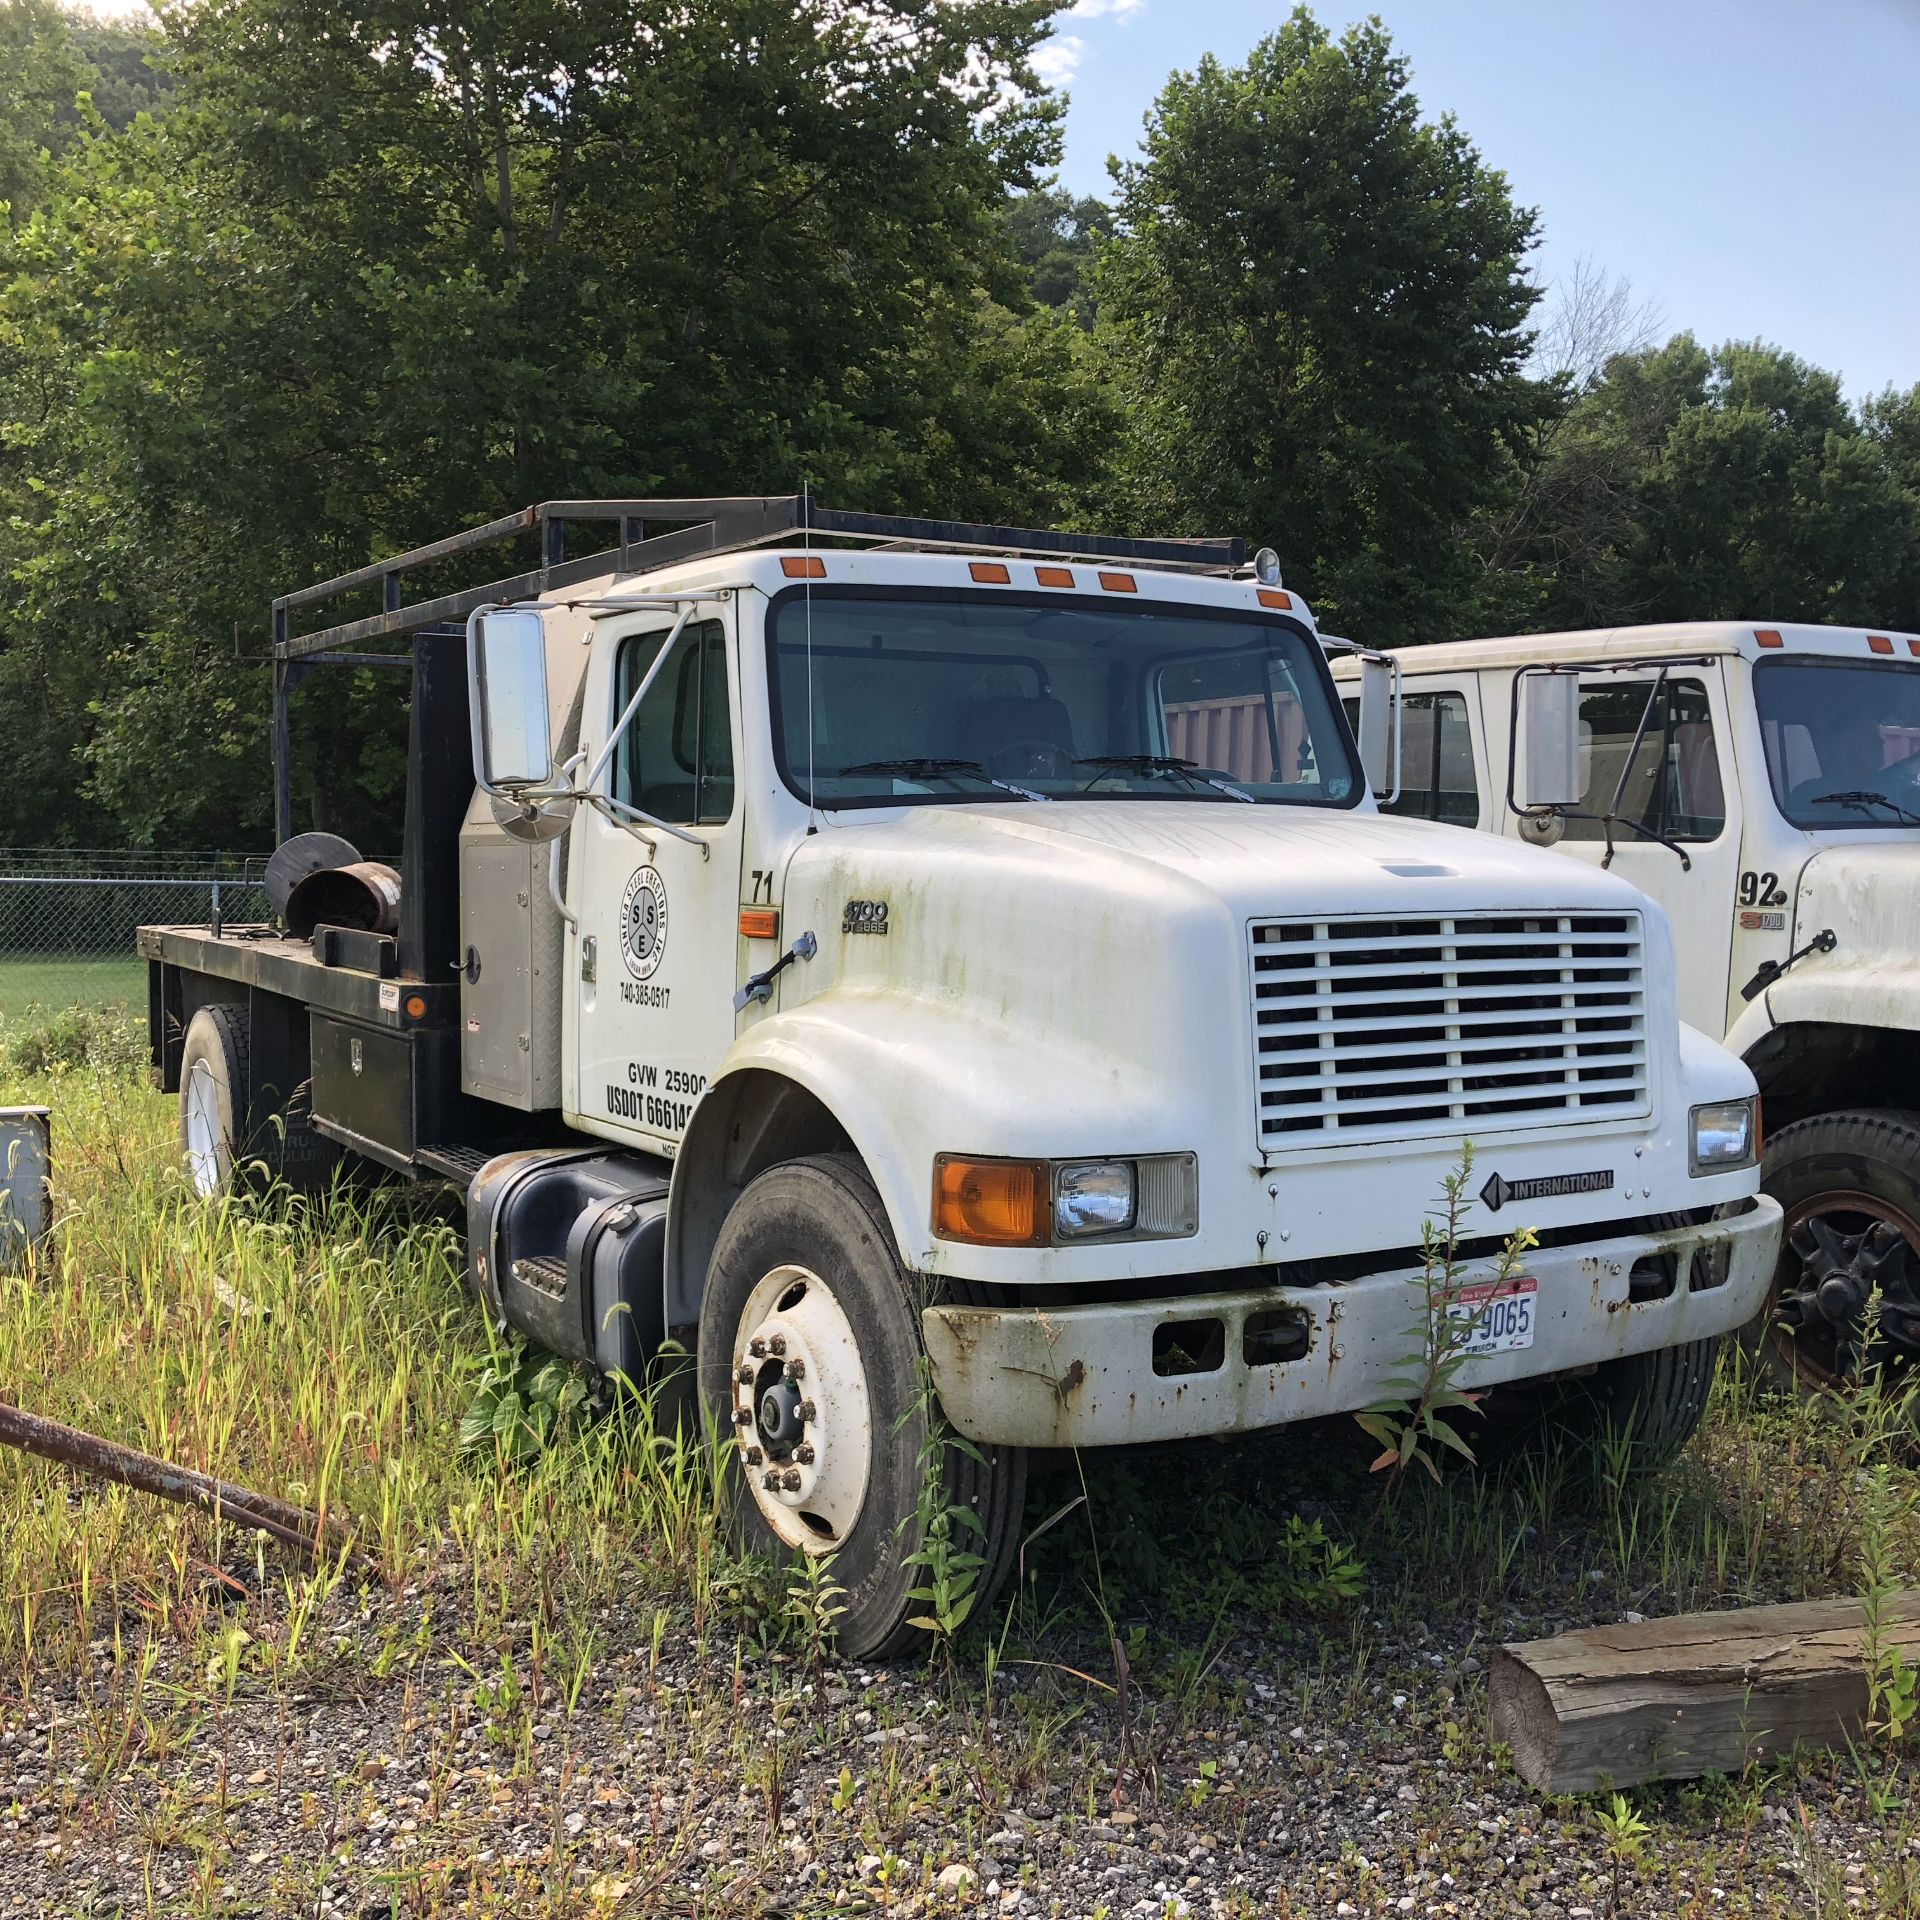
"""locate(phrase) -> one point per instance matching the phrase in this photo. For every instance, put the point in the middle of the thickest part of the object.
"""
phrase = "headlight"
(990, 1202)
(1092, 1196)
(1724, 1134)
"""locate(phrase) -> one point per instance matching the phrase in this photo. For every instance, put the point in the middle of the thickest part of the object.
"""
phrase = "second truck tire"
(1849, 1184)
(811, 1371)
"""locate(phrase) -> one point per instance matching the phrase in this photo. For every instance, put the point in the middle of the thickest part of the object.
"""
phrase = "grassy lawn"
(559, 1693)
(57, 980)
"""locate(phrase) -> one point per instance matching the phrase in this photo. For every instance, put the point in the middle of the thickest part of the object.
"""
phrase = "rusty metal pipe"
(315, 1536)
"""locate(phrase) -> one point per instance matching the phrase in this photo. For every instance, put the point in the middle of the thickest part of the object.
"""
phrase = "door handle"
(760, 985)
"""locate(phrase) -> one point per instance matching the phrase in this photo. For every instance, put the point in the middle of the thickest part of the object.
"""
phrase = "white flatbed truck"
(1763, 784)
(961, 973)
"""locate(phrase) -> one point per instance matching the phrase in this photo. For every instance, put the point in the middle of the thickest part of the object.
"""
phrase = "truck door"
(655, 949)
(1679, 782)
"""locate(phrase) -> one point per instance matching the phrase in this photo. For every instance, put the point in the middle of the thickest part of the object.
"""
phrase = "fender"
(900, 1078)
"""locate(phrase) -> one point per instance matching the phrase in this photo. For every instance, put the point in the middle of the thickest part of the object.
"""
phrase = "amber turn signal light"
(991, 1203)
(760, 923)
(800, 566)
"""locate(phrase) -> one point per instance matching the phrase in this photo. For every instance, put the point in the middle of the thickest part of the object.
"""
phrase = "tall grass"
(323, 1353)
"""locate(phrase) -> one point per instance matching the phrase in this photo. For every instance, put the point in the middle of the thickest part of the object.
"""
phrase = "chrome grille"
(1395, 1029)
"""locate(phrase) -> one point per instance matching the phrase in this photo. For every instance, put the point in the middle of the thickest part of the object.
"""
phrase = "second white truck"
(1763, 784)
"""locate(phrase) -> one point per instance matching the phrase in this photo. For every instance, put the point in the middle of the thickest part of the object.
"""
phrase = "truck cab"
(958, 983)
(1763, 784)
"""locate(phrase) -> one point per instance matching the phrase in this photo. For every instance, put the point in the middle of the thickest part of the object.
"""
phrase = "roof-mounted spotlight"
(1266, 567)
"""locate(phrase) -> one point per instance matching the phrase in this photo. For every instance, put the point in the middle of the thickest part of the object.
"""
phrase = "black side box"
(363, 1087)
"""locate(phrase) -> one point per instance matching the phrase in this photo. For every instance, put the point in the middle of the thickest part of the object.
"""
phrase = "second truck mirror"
(1549, 739)
(1379, 728)
(507, 685)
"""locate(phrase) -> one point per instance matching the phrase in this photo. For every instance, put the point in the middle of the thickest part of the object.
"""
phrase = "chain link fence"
(68, 915)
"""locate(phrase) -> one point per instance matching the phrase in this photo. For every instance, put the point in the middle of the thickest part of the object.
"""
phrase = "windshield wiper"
(1862, 798)
(1152, 763)
(951, 771)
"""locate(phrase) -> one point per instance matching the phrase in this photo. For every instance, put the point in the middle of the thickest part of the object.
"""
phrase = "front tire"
(1640, 1409)
(1849, 1184)
(810, 1371)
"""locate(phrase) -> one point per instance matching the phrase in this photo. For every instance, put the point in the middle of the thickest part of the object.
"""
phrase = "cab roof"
(1749, 639)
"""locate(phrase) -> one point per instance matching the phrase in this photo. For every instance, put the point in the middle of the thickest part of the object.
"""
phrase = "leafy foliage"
(1316, 307)
(1412, 1418)
(525, 1401)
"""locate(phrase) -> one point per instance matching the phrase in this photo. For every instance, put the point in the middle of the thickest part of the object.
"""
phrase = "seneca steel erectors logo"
(643, 923)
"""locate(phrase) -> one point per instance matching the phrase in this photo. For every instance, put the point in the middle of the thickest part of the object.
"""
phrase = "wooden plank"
(1700, 1693)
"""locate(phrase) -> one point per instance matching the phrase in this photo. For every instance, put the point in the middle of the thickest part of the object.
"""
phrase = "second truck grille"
(1468, 1024)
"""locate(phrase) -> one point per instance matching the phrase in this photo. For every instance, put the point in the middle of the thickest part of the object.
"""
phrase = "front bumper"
(1086, 1376)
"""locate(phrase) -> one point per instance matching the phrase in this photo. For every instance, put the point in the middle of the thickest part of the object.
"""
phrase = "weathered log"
(319, 1537)
(1700, 1693)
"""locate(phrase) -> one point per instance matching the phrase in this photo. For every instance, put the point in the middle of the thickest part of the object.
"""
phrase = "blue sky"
(1751, 166)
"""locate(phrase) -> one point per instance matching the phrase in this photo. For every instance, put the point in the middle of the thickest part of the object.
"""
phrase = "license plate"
(1501, 1313)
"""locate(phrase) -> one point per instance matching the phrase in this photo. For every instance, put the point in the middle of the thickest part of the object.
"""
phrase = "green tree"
(377, 275)
(1735, 484)
(1056, 237)
(1316, 311)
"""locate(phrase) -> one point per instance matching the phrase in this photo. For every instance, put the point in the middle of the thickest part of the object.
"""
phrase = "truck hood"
(1866, 892)
(1253, 860)
(1115, 933)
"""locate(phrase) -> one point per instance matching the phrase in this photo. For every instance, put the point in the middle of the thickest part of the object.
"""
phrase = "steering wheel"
(1030, 760)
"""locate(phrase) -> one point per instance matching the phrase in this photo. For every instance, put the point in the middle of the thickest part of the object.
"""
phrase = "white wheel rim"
(801, 1415)
(201, 1102)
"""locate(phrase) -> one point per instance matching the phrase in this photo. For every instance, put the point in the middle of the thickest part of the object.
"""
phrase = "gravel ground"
(1290, 1770)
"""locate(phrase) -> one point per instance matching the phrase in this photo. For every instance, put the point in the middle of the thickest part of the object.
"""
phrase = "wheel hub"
(800, 1410)
(1844, 1251)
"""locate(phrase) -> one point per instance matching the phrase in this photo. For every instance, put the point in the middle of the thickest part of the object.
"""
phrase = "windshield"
(1842, 740)
(936, 696)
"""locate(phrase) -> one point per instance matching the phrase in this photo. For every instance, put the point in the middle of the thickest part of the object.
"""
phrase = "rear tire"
(806, 1271)
(1849, 1184)
(214, 1090)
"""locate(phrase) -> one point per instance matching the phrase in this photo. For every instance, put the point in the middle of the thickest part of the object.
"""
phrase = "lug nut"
(754, 1456)
(796, 1369)
(756, 1346)
(807, 1410)
(742, 1418)
(791, 1479)
(777, 1344)
(771, 1482)
(746, 1376)
(804, 1453)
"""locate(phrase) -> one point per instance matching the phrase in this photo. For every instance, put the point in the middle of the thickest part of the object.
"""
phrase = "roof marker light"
(1118, 583)
(1879, 643)
(1054, 576)
(990, 573)
(803, 566)
(1913, 647)
(1768, 638)
(1272, 597)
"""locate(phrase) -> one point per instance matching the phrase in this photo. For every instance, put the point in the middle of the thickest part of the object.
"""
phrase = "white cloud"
(1058, 60)
(1104, 9)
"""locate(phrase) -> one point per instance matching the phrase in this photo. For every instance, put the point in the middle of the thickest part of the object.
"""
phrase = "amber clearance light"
(992, 1203)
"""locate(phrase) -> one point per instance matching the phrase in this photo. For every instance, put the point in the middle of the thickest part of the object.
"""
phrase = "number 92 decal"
(1761, 890)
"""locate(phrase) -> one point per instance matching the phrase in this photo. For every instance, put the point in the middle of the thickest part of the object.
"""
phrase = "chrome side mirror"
(507, 693)
(1548, 739)
(1379, 729)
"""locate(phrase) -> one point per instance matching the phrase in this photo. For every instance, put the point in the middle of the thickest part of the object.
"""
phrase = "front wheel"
(811, 1371)
(1846, 1292)
(1638, 1410)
